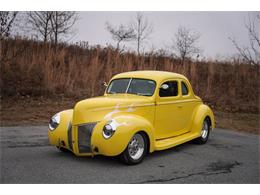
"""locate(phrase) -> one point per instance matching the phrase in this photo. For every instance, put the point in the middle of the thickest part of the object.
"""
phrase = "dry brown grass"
(37, 69)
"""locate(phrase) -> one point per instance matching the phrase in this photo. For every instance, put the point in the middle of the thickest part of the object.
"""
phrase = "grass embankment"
(35, 74)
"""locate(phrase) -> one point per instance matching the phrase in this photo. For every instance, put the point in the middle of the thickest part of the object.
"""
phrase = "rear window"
(184, 88)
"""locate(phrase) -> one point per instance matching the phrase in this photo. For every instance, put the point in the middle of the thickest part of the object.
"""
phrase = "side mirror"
(105, 84)
(164, 86)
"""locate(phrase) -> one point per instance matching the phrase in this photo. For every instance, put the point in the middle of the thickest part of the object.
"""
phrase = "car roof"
(150, 74)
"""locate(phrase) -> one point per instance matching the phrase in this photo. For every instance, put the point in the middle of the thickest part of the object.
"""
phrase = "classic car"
(139, 113)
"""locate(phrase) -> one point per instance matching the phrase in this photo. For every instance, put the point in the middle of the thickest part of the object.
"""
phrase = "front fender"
(60, 133)
(129, 124)
(202, 111)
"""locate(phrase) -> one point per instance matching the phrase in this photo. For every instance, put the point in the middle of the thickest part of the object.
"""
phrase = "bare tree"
(185, 43)
(62, 23)
(6, 22)
(41, 23)
(142, 29)
(120, 34)
(251, 53)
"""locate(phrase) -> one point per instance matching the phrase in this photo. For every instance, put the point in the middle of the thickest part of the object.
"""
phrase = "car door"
(187, 104)
(167, 117)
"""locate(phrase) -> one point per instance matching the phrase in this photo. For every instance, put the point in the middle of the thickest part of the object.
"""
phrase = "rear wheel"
(205, 130)
(135, 150)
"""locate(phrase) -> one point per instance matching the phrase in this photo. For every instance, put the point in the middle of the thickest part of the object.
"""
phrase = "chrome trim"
(177, 101)
(204, 130)
(54, 119)
(84, 132)
(136, 147)
(70, 145)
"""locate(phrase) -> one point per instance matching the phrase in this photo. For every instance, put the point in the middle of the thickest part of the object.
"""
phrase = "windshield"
(143, 87)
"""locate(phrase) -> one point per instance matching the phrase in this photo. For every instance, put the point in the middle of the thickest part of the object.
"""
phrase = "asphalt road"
(228, 157)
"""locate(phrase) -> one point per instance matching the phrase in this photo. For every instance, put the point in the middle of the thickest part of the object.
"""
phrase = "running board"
(163, 144)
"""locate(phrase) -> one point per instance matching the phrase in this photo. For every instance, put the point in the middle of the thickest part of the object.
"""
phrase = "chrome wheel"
(205, 130)
(136, 147)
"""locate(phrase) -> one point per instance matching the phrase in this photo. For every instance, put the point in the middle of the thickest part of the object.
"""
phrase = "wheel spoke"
(205, 130)
(136, 147)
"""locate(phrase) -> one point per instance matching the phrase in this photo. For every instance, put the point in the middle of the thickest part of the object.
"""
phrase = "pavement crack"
(223, 166)
(215, 168)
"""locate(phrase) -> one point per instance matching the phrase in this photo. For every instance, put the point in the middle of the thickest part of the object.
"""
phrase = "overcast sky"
(215, 28)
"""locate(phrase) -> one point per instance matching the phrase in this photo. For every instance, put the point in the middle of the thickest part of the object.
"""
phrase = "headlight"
(109, 129)
(54, 122)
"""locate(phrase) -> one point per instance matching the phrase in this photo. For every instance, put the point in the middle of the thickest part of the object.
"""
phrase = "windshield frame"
(130, 80)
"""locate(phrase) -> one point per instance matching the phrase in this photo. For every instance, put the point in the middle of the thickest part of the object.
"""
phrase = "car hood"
(98, 108)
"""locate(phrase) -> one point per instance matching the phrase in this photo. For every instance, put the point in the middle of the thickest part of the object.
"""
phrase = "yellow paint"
(61, 132)
(167, 121)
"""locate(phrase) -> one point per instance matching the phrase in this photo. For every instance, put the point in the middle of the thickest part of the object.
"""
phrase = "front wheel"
(135, 150)
(205, 130)
(62, 149)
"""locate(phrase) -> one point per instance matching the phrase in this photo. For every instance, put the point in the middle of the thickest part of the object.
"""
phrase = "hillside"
(33, 69)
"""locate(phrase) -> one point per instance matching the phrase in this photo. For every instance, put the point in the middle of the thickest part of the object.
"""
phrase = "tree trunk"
(138, 46)
(56, 29)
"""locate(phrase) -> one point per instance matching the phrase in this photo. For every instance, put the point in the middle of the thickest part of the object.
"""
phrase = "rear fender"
(202, 111)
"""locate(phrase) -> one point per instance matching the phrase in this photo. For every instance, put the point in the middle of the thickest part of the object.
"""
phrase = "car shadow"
(177, 149)
(100, 159)
(110, 160)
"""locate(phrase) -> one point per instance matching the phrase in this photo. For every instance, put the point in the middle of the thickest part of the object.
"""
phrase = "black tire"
(127, 158)
(63, 149)
(203, 139)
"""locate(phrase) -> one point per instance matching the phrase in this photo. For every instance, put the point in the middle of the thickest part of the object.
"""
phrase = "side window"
(168, 89)
(184, 88)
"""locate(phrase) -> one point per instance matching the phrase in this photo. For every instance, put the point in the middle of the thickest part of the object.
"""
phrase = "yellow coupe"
(140, 112)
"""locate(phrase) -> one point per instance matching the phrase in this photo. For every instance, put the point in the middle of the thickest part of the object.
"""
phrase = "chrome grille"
(84, 137)
(70, 136)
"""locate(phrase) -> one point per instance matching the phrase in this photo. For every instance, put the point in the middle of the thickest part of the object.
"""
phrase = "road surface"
(228, 157)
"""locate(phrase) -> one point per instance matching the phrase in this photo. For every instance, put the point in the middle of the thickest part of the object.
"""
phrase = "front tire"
(205, 130)
(135, 150)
